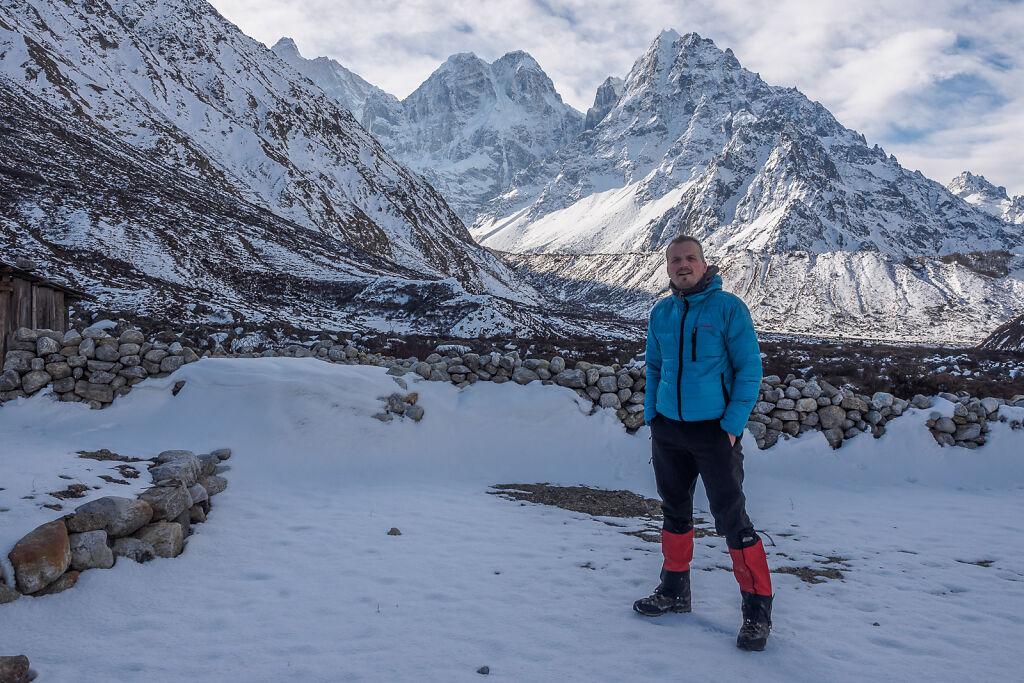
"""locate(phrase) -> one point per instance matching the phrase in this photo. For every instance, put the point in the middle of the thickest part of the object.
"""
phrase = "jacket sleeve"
(745, 359)
(652, 356)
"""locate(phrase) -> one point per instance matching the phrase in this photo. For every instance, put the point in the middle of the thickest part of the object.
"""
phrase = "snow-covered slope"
(469, 128)
(349, 88)
(909, 552)
(974, 189)
(1007, 337)
(799, 211)
(173, 112)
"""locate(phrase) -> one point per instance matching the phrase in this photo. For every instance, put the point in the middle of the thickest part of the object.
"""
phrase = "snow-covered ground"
(295, 578)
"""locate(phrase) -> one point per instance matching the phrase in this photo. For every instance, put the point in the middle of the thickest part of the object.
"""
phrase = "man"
(703, 376)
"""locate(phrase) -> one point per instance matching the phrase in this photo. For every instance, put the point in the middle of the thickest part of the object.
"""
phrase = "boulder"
(807, 405)
(103, 393)
(166, 538)
(35, 380)
(171, 363)
(108, 353)
(134, 549)
(10, 380)
(80, 522)
(89, 550)
(609, 400)
(41, 556)
(967, 432)
(556, 365)
(215, 484)
(7, 594)
(225, 453)
(415, 413)
(64, 581)
(207, 463)
(574, 379)
(945, 425)
(522, 375)
(831, 417)
(46, 346)
(184, 468)
(167, 501)
(122, 515)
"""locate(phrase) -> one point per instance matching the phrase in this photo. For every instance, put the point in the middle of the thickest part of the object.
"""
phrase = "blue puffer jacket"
(703, 361)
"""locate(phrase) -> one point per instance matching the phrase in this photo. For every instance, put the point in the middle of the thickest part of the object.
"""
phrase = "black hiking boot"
(671, 595)
(757, 622)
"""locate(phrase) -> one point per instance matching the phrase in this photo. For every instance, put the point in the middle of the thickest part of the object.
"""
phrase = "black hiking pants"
(682, 451)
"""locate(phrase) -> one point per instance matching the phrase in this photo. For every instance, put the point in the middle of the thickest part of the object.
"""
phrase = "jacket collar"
(711, 282)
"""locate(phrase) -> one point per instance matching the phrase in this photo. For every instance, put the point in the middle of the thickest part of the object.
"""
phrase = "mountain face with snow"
(608, 93)
(974, 189)
(157, 157)
(468, 129)
(819, 232)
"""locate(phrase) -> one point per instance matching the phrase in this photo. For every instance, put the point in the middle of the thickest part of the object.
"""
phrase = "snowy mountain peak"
(608, 93)
(968, 183)
(992, 199)
(286, 46)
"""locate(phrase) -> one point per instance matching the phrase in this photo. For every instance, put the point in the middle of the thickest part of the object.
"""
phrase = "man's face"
(685, 265)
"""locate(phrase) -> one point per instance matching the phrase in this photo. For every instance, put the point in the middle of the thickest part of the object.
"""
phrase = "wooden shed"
(29, 300)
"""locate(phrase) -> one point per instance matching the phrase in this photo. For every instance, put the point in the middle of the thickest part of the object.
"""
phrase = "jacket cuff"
(731, 427)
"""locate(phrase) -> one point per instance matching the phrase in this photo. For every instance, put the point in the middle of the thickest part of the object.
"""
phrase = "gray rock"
(166, 538)
(7, 594)
(757, 429)
(834, 436)
(131, 337)
(872, 417)
(943, 438)
(198, 494)
(785, 404)
(71, 338)
(792, 393)
(574, 379)
(811, 420)
(134, 549)
(556, 365)
(155, 355)
(625, 380)
(786, 415)
(624, 395)
(107, 353)
(134, 372)
(167, 501)
(763, 407)
(101, 377)
(881, 399)
(59, 369)
(80, 522)
(185, 468)
(37, 364)
(991, 405)
(592, 374)
(222, 453)
(213, 484)
(414, 412)
(606, 384)
(89, 550)
(196, 514)
(171, 363)
(522, 375)
(967, 432)
(831, 417)
(94, 333)
(920, 401)
(102, 393)
(609, 401)
(855, 403)
(811, 390)
(10, 380)
(14, 362)
(45, 346)
(128, 350)
(207, 463)
(121, 516)
(34, 381)
(807, 405)
(87, 348)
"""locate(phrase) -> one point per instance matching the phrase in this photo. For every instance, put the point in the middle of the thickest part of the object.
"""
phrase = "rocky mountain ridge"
(818, 231)
(974, 189)
(469, 128)
(157, 157)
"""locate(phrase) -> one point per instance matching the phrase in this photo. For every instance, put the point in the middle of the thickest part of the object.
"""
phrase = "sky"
(935, 82)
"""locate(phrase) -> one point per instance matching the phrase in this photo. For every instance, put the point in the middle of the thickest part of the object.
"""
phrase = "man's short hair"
(679, 239)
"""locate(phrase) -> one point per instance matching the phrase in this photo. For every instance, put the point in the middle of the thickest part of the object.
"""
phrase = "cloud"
(934, 81)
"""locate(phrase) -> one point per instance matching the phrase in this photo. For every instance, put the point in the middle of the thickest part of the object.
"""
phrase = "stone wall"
(96, 367)
(50, 558)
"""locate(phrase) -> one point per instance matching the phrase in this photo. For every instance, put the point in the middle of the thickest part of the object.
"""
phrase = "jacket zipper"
(679, 374)
(693, 344)
(725, 393)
